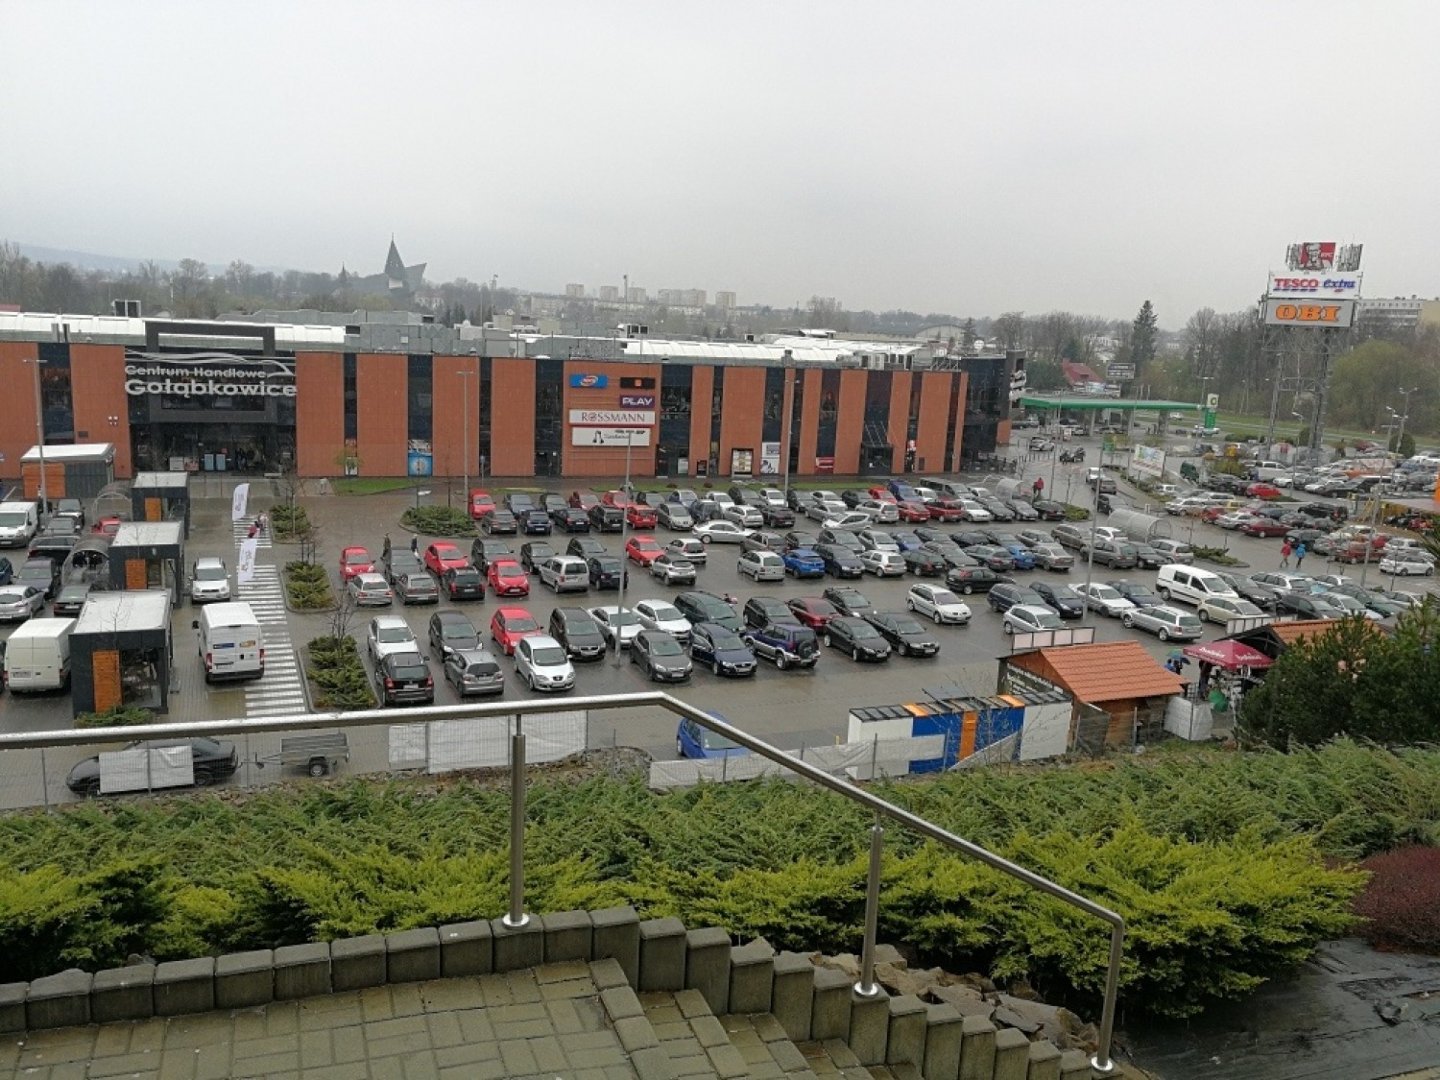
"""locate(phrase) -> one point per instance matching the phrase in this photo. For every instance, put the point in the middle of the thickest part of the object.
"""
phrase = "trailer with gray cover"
(1140, 527)
(318, 754)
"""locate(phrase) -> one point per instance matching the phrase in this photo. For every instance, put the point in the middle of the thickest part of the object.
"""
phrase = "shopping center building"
(415, 398)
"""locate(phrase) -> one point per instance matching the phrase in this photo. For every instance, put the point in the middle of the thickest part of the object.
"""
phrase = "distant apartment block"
(1399, 312)
(635, 295)
(725, 299)
(610, 293)
(683, 297)
(575, 292)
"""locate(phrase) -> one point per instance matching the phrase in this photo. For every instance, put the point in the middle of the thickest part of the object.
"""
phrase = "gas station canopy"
(1039, 401)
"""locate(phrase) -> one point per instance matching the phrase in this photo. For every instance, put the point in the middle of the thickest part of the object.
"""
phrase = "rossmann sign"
(1333, 286)
(200, 375)
(1331, 315)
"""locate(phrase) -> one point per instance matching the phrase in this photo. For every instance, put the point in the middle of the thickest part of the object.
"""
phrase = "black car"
(42, 574)
(1061, 599)
(1306, 607)
(607, 518)
(535, 552)
(211, 760)
(403, 678)
(70, 599)
(1049, 509)
(721, 650)
(577, 632)
(451, 631)
(1262, 596)
(924, 563)
(763, 610)
(585, 547)
(463, 583)
(499, 522)
(699, 606)
(1138, 594)
(551, 501)
(853, 497)
(535, 522)
(72, 508)
(993, 556)
(842, 538)
(483, 552)
(777, 517)
(949, 554)
(1003, 596)
(606, 572)
(1149, 558)
(784, 642)
(840, 562)
(904, 633)
(570, 519)
(848, 601)
(799, 538)
(856, 637)
(7, 571)
(519, 503)
(972, 579)
(968, 538)
(662, 657)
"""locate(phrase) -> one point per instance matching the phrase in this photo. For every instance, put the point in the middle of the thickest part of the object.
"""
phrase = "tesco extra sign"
(1336, 286)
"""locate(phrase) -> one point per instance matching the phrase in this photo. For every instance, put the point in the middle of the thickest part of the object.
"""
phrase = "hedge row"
(337, 674)
(307, 587)
(1219, 862)
(289, 523)
(438, 521)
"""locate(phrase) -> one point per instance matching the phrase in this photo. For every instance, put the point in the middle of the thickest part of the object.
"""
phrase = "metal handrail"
(1101, 1062)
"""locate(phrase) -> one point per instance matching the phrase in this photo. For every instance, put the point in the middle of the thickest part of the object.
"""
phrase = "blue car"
(803, 563)
(1024, 559)
(721, 650)
(907, 540)
(700, 743)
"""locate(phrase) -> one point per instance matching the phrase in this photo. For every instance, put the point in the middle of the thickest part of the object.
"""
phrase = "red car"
(509, 625)
(945, 509)
(813, 611)
(442, 556)
(109, 526)
(508, 579)
(882, 493)
(481, 503)
(615, 497)
(1263, 526)
(355, 560)
(913, 513)
(584, 501)
(643, 550)
(1262, 490)
(640, 517)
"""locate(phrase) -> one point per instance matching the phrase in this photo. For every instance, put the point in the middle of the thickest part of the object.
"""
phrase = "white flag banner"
(246, 570)
(239, 502)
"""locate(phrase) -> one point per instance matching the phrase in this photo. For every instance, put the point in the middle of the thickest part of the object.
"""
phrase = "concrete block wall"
(806, 1001)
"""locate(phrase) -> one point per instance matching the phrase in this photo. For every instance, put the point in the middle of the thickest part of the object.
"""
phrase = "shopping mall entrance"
(243, 448)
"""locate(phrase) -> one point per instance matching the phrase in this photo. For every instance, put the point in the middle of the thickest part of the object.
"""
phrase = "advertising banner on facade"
(202, 375)
(1322, 315)
(610, 437)
(770, 459)
(589, 382)
(637, 401)
(612, 417)
(239, 502)
(1148, 461)
(1323, 255)
(1300, 285)
(420, 458)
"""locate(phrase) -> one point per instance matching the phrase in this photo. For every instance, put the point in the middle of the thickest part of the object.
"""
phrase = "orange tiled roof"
(1111, 671)
(1287, 633)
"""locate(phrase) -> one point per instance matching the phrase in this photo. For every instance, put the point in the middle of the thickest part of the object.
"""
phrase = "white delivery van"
(231, 643)
(37, 656)
(19, 522)
(1191, 584)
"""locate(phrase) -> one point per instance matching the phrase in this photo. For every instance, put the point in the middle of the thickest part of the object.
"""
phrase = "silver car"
(474, 671)
(541, 663)
(209, 580)
(19, 602)
(1166, 623)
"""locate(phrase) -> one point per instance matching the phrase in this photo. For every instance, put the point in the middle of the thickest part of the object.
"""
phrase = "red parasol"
(1229, 655)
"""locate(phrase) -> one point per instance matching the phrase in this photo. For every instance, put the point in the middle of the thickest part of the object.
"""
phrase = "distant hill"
(89, 260)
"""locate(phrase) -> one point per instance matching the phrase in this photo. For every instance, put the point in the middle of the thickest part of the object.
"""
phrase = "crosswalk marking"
(241, 530)
(282, 690)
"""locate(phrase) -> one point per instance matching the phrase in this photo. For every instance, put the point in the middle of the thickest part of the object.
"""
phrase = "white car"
(880, 511)
(616, 622)
(541, 663)
(370, 590)
(850, 519)
(389, 634)
(883, 563)
(1104, 599)
(973, 511)
(762, 565)
(721, 532)
(658, 615)
(722, 498)
(939, 603)
(1406, 563)
(1235, 519)
(687, 547)
(772, 496)
(1027, 618)
(1164, 622)
(747, 516)
(878, 540)
(209, 580)
(1110, 532)
(1222, 609)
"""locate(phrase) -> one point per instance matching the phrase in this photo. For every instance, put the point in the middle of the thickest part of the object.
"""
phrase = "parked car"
(370, 590)
(451, 631)
(641, 517)
(618, 625)
(1166, 623)
(443, 555)
(577, 632)
(1061, 599)
(570, 519)
(643, 550)
(857, 638)
(764, 540)
(19, 602)
(1139, 594)
(674, 515)
(533, 553)
(883, 563)
(904, 633)
(355, 560)
(389, 634)
(416, 588)
(848, 601)
(506, 578)
(971, 579)
(803, 563)
(720, 532)
(1224, 609)
(472, 672)
(585, 547)
(209, 580)
(510, 625)
(660, 655)
(673, 569)
(721, 649)
(924, 563)
(463, 583)
(840, 561)
(659, 615)
(1303, 606)
(784, 642)
(483, 552)
(1007, 594)
(541, 663)
(1026, 619)
(499, 522)
(607, 572)
(403, 678)
(605, 518)
(812, 611)
(1105, 599)
(699, 743)
(481, 503)
(699, 606)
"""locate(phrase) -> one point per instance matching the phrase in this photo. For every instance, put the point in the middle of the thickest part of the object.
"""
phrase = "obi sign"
(1332, 315)
(208, 375)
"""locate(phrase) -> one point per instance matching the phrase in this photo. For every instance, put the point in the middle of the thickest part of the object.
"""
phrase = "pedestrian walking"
(415, 546)
(385, 549)
(254, 530)
(1299, 555)
(1285, 550)
(264, 522)
(1038, 486)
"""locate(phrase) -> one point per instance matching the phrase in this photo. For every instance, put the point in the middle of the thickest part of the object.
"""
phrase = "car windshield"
(721, 638)
(210, 573)
(408, 666)
(861, 631)
(521, 624)
(906, 625)
(664, 612)
(508, 570)
(456, 630)
(74, 592)
(943, 596)
(394, 633)
(622, 618)
(1190, 622)
(11, 518)
(1104, 592)
(646, 544)
(549, 656)
(1047, 621)
(464, 574)
(418, 581)
(482, 667)
(355, 558)
(446, 553)
(665, 646)
(608, 566)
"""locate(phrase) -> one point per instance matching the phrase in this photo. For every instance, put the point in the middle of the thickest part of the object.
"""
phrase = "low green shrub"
(119, 716)
(1076, 513)
(1218, 556)
(337, 675)
(289, 523)
(438, 521)
(307, 587)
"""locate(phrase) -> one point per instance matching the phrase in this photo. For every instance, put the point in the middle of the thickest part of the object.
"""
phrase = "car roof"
(388, 621)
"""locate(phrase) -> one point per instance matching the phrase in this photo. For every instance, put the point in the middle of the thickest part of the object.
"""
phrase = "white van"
(231, 643)
(37, 656)
(1190, 583)
(19, 522)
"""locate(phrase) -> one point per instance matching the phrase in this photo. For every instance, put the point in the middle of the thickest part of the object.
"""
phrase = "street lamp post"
(465, 374)
(1090, 553)
(40, 436)
(624, 569)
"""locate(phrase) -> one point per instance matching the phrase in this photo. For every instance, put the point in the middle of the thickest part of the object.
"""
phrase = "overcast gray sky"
(962, 157)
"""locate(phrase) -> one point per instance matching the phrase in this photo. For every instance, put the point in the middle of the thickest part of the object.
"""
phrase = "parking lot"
(793, 708)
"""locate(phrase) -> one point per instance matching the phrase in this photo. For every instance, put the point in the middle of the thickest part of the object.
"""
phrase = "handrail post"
(1103, 1062)
(867, 987)
(516, 918)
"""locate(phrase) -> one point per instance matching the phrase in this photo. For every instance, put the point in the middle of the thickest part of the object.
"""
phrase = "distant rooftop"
(114, 612)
